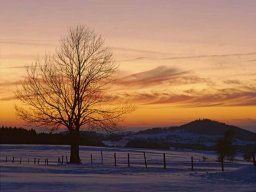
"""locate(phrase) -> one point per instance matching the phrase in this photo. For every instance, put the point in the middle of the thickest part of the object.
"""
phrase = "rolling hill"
(199, 134)
(204, 127)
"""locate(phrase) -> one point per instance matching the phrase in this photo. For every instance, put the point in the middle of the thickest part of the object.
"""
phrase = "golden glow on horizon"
(157, 115)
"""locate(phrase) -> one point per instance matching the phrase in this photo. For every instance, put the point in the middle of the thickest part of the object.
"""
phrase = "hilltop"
(198, 134)
(204, 127)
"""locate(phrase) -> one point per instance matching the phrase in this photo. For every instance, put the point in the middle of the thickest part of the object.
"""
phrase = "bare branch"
(69, 88)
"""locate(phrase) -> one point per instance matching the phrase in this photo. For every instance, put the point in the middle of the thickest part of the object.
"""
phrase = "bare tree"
(68, 89)
(225, 147)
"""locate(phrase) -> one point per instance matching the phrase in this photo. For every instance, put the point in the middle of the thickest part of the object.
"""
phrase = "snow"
(24, 177)
(121, 143)
(177, 136)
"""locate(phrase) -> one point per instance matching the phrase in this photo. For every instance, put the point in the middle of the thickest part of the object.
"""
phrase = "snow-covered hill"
(197, 134)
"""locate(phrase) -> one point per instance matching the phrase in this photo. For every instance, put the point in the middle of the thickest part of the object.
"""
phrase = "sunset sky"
(179, 60)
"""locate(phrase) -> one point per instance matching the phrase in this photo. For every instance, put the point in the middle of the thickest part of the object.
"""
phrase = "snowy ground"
(27, 177)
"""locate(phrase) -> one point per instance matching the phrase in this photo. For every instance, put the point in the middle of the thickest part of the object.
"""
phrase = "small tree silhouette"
(225, 147)
(249, 153)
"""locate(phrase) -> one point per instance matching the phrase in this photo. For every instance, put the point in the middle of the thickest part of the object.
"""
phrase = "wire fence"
(109, 157)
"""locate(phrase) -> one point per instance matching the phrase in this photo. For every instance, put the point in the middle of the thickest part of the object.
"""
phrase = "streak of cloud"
(9, 83)
(47, 43)
(160, 75)
(14, 67)
(27, 43)
(211, 56)
(232, 81)
(189, 57)
(137, 50)
(245, 96)
(8, 98)
(19, 56)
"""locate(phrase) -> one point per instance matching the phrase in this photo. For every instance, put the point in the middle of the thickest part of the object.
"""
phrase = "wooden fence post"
(129, 160)
(115, 158)
(62, 157)
(145, 160)
(34, 160)
(66, 159)
(12, 159)
(164, 159)
(20, 160)
(192, 163)
(101, 155)
(6, 160)
(38, 161)
(91, 159)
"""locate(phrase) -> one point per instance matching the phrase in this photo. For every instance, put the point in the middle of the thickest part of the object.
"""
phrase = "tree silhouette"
(68, 89)
(225, 147)
(249, 152)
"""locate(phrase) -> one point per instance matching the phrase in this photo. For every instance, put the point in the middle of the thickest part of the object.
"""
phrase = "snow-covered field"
(30, 177)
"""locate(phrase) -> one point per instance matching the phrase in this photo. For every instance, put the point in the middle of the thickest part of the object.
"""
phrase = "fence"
(130, 158)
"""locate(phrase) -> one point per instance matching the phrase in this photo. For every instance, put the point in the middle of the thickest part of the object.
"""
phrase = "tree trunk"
(222, 163)
(253, 158)
(74, 149)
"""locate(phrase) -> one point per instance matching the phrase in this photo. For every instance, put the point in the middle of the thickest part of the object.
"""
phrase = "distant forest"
(13, 135)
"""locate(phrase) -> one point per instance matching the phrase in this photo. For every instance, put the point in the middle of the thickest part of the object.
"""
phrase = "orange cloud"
(158, 76)
(223, 97)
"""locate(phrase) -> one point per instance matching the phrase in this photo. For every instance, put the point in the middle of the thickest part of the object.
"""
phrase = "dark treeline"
(10, 135)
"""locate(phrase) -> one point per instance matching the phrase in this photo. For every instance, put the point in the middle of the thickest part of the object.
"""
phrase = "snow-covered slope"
(27, 177)
(199, 133)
